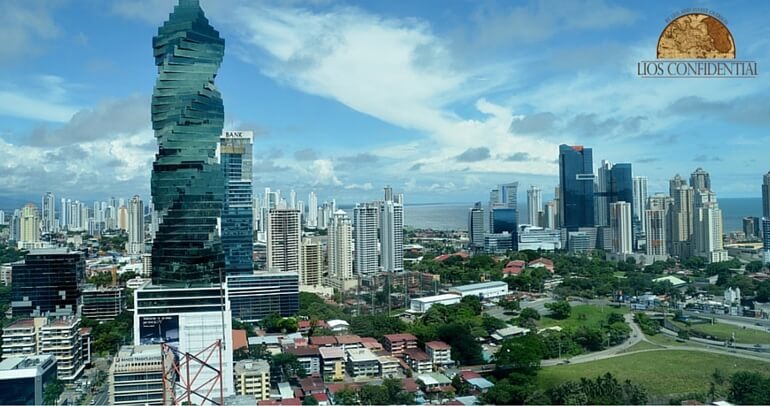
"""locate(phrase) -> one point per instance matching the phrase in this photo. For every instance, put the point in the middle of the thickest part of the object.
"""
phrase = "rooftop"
(323, 340)
(250, 367)
(240, 340)
(361, 355)
(26, 362)
(437, 345)
(331, 352)
(437, 298)
(302, 351)
(417, 354)
(349, 339)
(22, 323)
(483, 285)
(400, 337)
(434, 378)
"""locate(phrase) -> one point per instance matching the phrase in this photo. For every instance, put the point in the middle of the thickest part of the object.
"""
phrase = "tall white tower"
(284, 235)
(640, 199)
(365, 218)
(49, 213)
(340, 247)
(534, 205)
(312, 210)
(620, 224)
(392, 232)
(135, 244)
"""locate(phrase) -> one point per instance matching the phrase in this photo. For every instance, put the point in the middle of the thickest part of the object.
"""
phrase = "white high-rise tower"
(49, 213)
(534, 206)
(312, 210)
(365, 218)
(135, 244)
(340, 247)
(392, 232)
(284, 235)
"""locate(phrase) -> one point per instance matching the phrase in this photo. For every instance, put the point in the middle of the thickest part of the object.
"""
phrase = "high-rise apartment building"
(29, 224)
(312, 210)
(682, 224)
(551, 214)
(476, 226)
(392, 232)
(187, 182)
(135, 244)
(534, 206)
(765, 227)
(576, 186)
(49, 213)
(640, 201)
(700, 180)
(60, 337)
(766, 195)
(620, 225)
(49, 282)
(656, 232)
(340, 247)
(235, 154)
(365, 228)
(284, 235)
(312, 263)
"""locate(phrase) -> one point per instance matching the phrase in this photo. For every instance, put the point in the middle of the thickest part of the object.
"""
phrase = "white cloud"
(43, 98)
(364, 186)
(26, 24)
(321, 172)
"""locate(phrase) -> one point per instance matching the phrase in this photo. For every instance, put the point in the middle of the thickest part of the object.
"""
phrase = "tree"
(510, 305)
(309, 400)
(559, 310)
(749, 388)
(52, 391)
(506, 393)
(604, 390)
(285, 366)
(754, 266)
(529, 313)
(465, 349)
(521, 354)
(474, 302)
(346, 396)
(376, 325)
(461, 387)
(396, 393)
(373, 395)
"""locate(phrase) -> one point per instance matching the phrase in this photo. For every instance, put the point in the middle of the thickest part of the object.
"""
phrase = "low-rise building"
(440, 353)
(388, 366)
(308, 357)
(332, 363)
(349, 342)
(362, 362)
(395, 344)
(508, 332)
(20, 338)
(61, 338)
(422, 304)
(484, 290)
(434, 382)
(338, 326)
(102, 303)
(136, 376)
(418, 360)
(23, 379)
(252, 377)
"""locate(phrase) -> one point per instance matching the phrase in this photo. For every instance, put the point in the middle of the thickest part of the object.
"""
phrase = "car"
(93, 402)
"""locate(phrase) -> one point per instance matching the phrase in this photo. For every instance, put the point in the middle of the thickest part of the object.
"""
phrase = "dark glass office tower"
(237, 216)
(49, 282)
(505, 220)
(576, 181)
(187, 116)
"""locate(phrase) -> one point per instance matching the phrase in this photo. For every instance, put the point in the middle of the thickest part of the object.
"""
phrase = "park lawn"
(582, 315)
(725, 331)
(664, 373)
(641, 345)
(663, 339)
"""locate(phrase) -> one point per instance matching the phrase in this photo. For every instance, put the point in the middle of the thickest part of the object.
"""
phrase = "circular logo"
(696, 36)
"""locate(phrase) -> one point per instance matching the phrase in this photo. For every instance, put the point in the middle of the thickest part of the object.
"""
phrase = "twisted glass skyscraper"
(187, 116)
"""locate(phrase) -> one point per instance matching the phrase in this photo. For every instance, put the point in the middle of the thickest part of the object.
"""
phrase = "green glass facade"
(187, 116)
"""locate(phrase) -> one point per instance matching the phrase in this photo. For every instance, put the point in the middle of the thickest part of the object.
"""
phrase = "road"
(102, 397)
(739, 321)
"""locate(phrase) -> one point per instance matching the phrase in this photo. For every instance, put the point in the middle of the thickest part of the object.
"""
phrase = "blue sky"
(440, 99)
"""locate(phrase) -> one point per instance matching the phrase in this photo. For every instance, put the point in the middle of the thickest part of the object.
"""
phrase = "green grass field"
(665, 373)
(641, 345)
(582, 315)
(663, 339)
(725, 331)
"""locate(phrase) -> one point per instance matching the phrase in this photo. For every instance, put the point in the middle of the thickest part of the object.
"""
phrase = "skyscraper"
(766, 195)
(340, 248)
(640, 200)
(284, 234)
(576, 185)
(122, 218)
(187, 116)
(676, 182)
(534, 205)
(602, 192)
(49, 213)
(312, 263)
(29, 224)
(476, 226)
(235, 151)
(135, 244)
(63, 214)
(392, 232)
(656, 232)
(365, 238)
(49, 282)
(620, 224)
(312, 210)
(681, 233)
(700, 180)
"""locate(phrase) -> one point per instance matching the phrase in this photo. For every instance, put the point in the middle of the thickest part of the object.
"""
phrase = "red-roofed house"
(371, 343)
(542, 263)
(513, 268)
(418, 360)
(348, 342)
(461, 254)
(410, 385)
(321, 398)
(240, 340)
(323, 341)
(397, 343)
(440, 353)
(311, 385)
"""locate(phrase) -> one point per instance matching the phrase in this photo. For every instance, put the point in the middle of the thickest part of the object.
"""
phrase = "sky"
(442, 100)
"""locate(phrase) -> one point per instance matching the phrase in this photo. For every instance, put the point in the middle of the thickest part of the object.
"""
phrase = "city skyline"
(463, 122)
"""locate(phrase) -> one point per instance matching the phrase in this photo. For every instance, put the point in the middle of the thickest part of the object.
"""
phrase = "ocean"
(454, 216)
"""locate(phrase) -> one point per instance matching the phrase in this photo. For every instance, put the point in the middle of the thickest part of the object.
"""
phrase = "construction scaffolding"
(182, 380)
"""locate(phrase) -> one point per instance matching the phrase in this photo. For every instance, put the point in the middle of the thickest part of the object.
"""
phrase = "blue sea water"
(454, 216)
